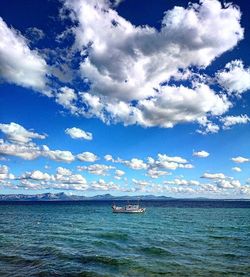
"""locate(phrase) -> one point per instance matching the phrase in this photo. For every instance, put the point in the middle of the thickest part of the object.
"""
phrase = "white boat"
(128, 209)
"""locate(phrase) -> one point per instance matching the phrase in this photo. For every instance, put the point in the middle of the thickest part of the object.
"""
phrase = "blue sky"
(125, 97)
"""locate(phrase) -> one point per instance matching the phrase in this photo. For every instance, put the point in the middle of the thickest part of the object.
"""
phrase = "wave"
(113, 236)
(153, 250)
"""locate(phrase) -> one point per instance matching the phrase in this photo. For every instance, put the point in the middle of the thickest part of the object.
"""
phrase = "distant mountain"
(40, 197)
(65, 197)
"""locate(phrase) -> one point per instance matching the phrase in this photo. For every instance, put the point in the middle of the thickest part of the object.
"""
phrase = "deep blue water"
(173, 238)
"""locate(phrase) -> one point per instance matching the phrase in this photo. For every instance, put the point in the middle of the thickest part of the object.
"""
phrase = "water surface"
(173, 238)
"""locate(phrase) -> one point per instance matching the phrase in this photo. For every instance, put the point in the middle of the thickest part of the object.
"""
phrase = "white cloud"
(135, 164)
(28, 151)
(188, 36)
(70, 179)
(165, 158)
(97, 169)
(108, 158)
(3, 169)
(231, 120)
(27, 184)
(70, 182)
(19, 64)
(77, 133)
(31, 151)
(140, 182)
(228, 184)
(245, 190)
(146, 58)
(18, 134)
(67, 98)
(4, 174)
(102, 185)
(36, 175)
(201, 154)
(169, 106)
(236, 168)
(173, 105)
(182, 182)
(87, 157)
(234, 78)
(63, 179)
(155, 173)
(63, 171)
(167, 162)
(222, 181)
(240, 159)
(207, 127)
(57, 155)
(179, 189)
(119, 173)
(214, 176)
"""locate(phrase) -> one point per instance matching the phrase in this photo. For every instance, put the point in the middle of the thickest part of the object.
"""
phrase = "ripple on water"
(21, 260)
(113, 236)
(155, 251)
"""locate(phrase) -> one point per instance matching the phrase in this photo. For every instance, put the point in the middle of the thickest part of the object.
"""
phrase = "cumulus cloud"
(131, 90)
(97, 169)
(103, 185)
(31, 151)
(188, 36)
(67, 97)
(155, 173)
(63, 179)
(4, 173)
(174, 105)
(213, 176)
(140, 182)
(71, 182)
(228, 184)
(236, 169)
(231, 120)
(135, 164)
(182, 182)
(28, 151)
(240, 159)
(207, 127)
(108, 158)
(36, 175)
(63, 171)
(234, 78)
(201, 154)
(18, 134)
(171, 105)
(222, 181)
(57, 155)
(167, 162)
(119, 174)
(87, 157)
(18, 63)
(135, 89)
(77, 133)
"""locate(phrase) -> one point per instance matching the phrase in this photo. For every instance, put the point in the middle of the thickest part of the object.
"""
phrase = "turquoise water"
(86, 239)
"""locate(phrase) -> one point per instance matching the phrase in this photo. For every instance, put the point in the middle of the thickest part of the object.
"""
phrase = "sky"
(125, 97)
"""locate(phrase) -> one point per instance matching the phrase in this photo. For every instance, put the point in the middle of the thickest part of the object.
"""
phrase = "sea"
(172, 238)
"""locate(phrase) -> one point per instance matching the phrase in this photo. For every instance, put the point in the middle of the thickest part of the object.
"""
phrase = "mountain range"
(66, 197)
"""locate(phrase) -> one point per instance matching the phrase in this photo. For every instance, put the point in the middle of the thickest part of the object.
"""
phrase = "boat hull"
(122, 210)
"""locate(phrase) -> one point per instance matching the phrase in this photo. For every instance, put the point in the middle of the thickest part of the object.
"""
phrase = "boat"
(128, 209)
